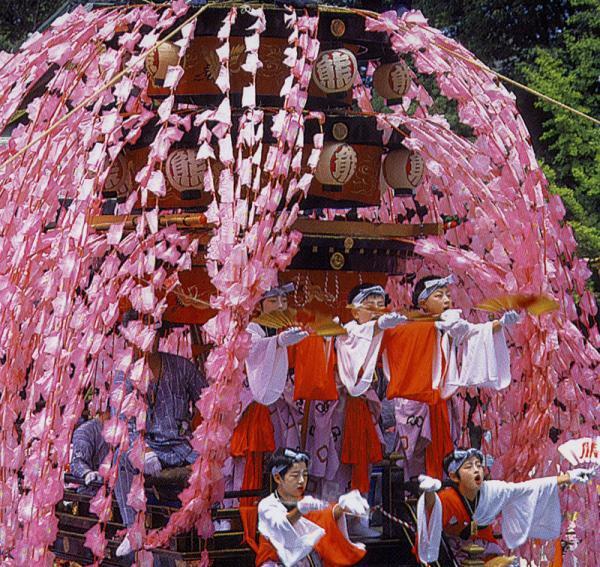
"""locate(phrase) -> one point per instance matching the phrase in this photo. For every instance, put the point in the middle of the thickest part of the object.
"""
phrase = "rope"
(393, 518)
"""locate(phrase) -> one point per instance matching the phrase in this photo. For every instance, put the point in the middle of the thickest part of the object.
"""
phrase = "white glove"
(390, 320)
(310, 504)
(429, 484)
(152, 465)
(509, 318)
(92, 476)
(291, 336)
(581, 476)
(353, 503)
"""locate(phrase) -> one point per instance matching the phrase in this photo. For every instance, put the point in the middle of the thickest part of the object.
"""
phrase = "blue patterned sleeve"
(82, 456)
(196, 381)
(118, 381)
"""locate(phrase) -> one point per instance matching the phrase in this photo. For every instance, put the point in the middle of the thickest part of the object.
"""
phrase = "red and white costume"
(284, 543)
(421, 362)
(529, 509)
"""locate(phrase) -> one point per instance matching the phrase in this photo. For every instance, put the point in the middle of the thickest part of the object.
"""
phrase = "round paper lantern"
(157, 62)
(337, 164)
(403, 169)
(183, 171)
(392, 80)
(335, 70)
(118, 181)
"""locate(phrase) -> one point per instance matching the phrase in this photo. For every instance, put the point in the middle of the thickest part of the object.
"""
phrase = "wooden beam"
(309, 227)
(362, 229)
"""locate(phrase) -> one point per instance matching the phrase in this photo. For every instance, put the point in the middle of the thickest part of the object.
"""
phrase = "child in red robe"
(466, 510)
(299, 530)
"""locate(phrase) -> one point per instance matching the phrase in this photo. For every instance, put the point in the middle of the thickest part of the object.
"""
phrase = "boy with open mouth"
(466, 510)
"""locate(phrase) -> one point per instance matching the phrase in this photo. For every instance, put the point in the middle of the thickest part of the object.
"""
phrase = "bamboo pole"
(189, 220)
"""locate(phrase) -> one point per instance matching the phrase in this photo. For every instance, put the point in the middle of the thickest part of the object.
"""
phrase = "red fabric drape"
(410, 349)
(249, 516)
(441, 440)
(360, 445)
(454, 507)
(557, 560)
(313, 361)
(252, 438)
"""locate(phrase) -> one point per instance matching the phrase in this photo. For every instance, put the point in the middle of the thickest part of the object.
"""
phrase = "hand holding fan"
(534, 304)
(313, 322)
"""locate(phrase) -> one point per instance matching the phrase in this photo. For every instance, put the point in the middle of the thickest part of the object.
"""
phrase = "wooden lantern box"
(337, 30)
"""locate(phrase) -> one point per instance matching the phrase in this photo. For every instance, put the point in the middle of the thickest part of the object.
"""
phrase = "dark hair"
(358, 288)
(446, 462)
(419, 287)
(283, 461)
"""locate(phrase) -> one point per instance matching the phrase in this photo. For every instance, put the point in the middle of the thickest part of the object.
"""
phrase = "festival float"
(178, 161)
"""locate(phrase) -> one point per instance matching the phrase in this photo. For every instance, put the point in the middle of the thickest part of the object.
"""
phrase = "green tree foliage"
(19, 18)
(554, 47)
(501, 33)
(570, 72)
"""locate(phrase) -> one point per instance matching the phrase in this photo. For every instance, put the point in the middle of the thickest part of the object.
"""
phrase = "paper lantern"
(183, 171)
(158, 62)
(392, 80)
(335, 70)
(118, 181)
(403, 169)
(337, 164)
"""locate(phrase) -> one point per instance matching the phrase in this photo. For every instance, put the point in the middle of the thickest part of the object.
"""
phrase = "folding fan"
(326, 328)
(583, 451)
(370, 309)
(315, 323)
(279, 319)
(419, 316)
(413, 315)
(534, 304)
(501, 561)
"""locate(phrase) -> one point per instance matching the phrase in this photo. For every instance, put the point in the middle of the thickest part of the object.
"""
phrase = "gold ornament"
(337, 261)
(340, 131)
(337, 27)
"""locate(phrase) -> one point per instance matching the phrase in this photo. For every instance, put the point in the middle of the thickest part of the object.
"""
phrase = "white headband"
(434, 285)
(296, 456)
(460, 457)
(279, 290)
(364, 293)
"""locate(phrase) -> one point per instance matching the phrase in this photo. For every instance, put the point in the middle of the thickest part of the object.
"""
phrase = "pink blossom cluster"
(251, 243)
(515, 240)
(61, 282)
